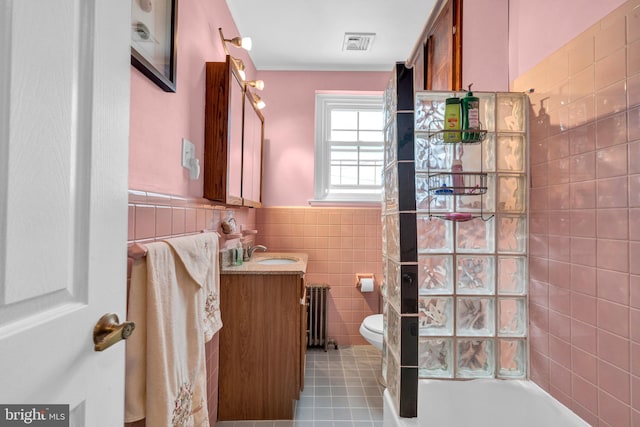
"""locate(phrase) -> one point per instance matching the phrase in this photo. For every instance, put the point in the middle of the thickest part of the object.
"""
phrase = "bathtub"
(483, 403)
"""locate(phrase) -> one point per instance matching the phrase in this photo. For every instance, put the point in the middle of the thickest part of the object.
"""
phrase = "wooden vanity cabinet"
(262, 345)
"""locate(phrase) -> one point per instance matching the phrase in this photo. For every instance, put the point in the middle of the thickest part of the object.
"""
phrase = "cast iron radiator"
(317, 299)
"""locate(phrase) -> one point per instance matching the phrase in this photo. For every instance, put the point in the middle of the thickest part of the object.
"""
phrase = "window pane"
(344, 119)
(371, 153)
(356, 165)
(369, 175)
(339, 154)
(343, 174)
(346, 148)
(350, 136)
(371, 120)
(371, 136)
(344, 170)
(352, 133)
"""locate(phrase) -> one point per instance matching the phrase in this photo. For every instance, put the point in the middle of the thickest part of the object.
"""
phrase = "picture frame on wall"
(153, 40)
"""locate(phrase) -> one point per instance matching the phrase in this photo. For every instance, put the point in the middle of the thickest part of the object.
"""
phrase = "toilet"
(371, 330)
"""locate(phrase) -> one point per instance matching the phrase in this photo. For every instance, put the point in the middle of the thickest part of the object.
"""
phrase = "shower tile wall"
(340, 242)
(585, 221)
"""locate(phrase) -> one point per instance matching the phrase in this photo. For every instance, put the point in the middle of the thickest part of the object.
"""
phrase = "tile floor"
(341, 390)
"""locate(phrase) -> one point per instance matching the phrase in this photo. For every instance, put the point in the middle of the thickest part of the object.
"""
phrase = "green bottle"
(451, 120)
(470, 116)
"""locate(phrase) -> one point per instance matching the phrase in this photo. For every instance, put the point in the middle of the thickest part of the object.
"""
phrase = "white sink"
(277, 261)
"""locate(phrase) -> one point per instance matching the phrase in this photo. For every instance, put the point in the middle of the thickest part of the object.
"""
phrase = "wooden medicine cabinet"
(234, 134)
(252, 141)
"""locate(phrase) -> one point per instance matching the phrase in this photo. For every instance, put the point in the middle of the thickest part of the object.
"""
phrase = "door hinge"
(453, 30)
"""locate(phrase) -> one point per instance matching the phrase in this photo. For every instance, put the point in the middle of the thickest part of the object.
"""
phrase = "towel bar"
(138, 250)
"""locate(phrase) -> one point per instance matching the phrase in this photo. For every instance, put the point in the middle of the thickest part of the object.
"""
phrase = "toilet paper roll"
(366, 284)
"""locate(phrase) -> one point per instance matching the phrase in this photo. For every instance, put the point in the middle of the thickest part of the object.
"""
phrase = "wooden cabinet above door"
(437, 58)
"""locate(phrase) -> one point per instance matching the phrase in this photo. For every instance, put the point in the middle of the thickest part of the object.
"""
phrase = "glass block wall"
(472, 275)
(454, 261)
(400, 255)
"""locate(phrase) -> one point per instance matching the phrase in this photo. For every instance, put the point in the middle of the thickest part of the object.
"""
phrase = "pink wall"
(290, 128)
(538, 28)
(504, 38)
(585, 220)
(485, 45)
(340, 242)
(159, 120)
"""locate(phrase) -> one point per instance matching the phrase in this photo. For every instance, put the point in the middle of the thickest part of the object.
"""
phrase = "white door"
(64, 119)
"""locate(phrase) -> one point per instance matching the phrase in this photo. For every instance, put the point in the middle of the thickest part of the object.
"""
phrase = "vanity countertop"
(256, 264)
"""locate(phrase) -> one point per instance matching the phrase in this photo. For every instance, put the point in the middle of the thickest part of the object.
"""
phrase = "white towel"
(166, 366)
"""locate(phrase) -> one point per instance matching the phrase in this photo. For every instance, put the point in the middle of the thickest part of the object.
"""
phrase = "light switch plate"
(188, 152)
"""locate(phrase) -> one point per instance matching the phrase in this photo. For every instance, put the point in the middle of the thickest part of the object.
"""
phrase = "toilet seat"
(374, 323)
(372, 330)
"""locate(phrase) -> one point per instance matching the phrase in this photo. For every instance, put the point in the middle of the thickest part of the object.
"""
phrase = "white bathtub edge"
(561, 406)
(391, 418)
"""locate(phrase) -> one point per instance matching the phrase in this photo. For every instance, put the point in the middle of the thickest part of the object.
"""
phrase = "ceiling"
(309, 35)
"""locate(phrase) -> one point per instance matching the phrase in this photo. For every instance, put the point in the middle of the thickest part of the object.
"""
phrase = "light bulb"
(239, 65)
(260, 104)
(258, 84)
(246, 43)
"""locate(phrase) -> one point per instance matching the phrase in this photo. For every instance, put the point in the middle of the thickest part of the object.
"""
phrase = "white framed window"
(349, 148)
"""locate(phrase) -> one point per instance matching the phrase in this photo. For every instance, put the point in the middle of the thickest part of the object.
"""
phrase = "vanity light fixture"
(239, 65)
(243, 42)
(258, 84)
(259, 103)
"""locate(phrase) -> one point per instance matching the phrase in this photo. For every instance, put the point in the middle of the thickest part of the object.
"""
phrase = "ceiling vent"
(358, 41)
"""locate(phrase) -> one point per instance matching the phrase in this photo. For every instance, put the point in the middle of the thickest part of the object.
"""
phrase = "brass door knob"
(109, 331)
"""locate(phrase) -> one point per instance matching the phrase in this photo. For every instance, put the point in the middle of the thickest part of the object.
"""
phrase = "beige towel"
(166, 364)
(135, 395)
(199, 255)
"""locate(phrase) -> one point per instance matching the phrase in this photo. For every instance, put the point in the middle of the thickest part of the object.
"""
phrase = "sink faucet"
(248, 252)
